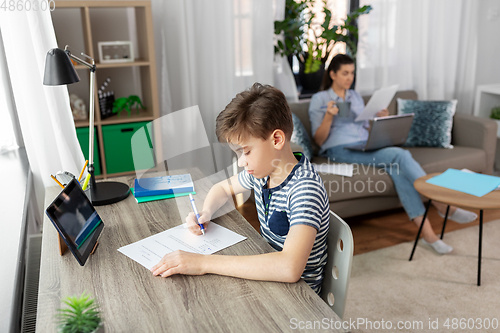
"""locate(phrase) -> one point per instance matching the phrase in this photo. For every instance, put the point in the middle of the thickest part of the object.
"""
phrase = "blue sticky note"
(471, 183)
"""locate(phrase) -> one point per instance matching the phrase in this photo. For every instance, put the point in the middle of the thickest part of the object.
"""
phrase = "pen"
(86, 182)
(81, 173)
(195, 211)
(58, 182)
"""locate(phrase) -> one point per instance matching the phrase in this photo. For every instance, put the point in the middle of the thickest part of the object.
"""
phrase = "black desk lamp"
(58, 71)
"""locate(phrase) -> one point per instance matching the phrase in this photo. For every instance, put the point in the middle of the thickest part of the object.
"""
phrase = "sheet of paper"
(149, 251)
(470, 171)
(341, 169)
(380, 100)
(471, 183)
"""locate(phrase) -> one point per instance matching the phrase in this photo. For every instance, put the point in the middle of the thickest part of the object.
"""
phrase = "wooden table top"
(456, 198)
(133, 300)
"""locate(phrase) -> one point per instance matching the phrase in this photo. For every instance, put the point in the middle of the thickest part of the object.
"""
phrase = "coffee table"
(459, 199)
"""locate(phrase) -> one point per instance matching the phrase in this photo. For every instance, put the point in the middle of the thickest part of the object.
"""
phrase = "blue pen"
(195, 211)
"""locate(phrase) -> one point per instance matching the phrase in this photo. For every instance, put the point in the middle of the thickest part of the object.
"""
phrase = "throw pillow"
(431, 126)
(300, 136)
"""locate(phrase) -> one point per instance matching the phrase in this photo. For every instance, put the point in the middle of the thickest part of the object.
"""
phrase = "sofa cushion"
(432, 124)
(301, 110)
(439, 159)
(300, 137)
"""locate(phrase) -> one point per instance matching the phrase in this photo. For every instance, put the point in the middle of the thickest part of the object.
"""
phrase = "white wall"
(488, 56)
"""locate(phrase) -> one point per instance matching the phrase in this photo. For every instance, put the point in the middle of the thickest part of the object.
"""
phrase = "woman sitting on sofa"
(332, 133)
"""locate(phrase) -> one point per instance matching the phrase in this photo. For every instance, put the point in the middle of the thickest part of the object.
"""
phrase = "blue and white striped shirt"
(300, 199)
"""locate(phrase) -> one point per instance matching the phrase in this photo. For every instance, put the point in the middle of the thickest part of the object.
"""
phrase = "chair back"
(338, 267)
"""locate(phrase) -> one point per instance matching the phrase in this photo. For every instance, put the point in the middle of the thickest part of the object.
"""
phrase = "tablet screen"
(76, 220)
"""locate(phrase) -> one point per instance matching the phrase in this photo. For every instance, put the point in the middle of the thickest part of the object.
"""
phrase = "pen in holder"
(85, 184)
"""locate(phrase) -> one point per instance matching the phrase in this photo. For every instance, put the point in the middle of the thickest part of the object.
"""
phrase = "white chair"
(338, 267)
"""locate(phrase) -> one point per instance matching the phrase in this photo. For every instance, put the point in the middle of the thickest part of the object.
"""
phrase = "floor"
(379, 230)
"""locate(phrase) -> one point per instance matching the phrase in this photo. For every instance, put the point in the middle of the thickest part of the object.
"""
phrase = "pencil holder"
(87, 190)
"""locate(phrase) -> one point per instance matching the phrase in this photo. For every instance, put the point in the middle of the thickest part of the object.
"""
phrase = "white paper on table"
(380, 100)
(149, 251)
(342, 169)
(470, 171)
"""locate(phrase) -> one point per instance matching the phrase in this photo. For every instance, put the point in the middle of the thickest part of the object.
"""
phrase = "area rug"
(431, 293)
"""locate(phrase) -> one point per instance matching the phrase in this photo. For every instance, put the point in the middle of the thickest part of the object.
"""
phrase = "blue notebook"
(472, 183)
(146, 187)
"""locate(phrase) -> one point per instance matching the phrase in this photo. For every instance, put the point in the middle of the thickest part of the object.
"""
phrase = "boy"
(291, 200)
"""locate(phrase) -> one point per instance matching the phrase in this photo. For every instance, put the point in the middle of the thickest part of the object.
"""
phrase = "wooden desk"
(133, 300)
(459, 199)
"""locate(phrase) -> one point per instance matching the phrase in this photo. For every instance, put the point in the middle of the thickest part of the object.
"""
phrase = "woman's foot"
(439, 246)
(461, 216)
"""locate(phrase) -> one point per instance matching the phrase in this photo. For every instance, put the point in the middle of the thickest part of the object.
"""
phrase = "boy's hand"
(179, 262)
(193, 225)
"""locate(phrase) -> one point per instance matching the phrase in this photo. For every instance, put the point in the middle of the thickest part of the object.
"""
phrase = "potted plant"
(495, 114)
(81, 316)
(311, 42)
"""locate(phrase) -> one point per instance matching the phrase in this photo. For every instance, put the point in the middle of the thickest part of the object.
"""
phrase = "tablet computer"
(76, 220)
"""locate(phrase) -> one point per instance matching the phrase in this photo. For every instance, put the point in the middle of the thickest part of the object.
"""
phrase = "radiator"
(34, 250)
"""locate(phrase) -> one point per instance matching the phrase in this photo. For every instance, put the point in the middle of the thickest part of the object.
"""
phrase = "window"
(243, 37)
(7, 135)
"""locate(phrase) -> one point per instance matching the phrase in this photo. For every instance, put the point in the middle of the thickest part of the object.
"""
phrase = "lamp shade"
(59, 69)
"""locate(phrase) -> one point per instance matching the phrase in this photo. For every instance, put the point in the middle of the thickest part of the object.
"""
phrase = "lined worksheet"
(149, 251)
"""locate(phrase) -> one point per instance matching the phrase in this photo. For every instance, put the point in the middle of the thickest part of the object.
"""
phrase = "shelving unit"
(81, 24)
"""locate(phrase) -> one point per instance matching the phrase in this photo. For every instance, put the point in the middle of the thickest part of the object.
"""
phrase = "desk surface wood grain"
(133, 300)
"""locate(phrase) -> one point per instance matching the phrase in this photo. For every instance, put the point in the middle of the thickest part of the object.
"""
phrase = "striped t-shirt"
(300, 199)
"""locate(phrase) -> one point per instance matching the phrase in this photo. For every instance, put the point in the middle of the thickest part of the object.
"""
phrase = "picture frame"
(115, 52)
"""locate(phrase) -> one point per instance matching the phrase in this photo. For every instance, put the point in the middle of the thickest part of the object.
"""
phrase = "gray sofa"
(474, 140)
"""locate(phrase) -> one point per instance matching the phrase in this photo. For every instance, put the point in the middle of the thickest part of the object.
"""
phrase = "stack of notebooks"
(165, 187)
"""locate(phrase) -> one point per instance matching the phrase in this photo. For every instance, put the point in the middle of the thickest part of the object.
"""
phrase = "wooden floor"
(378, 230)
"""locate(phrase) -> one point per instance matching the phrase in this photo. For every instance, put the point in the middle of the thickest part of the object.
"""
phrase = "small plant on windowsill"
(81, 316)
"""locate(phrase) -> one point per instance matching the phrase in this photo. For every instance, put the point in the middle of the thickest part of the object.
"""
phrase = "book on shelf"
(176, 184)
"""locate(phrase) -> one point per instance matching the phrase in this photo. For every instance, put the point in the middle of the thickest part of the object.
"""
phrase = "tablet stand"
(63, 247)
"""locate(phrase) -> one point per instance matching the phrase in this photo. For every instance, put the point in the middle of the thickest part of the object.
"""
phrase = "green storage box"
(124, 143)
(82, 133)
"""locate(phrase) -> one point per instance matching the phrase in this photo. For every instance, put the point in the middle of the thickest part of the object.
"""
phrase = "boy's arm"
(215, 199)
(284, 266)
(221, 192)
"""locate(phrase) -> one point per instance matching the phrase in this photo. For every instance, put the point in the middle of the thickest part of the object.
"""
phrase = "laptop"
(76, 220)
(386, 132)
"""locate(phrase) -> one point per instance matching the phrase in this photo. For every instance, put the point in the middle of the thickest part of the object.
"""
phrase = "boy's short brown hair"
(255, 112)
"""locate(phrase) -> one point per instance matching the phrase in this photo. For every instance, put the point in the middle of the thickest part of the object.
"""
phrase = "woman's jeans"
(397, 162)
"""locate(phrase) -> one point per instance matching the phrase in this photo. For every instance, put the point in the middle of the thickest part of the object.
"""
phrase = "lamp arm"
(92, 68)
(80, 61)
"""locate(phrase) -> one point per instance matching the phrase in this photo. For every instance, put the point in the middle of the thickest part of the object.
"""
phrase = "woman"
(333, 132)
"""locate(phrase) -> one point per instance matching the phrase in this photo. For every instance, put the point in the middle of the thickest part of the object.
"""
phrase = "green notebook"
(159, 197)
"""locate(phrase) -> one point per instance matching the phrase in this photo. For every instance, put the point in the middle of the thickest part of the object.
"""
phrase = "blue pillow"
(300, 137)
(432, 124)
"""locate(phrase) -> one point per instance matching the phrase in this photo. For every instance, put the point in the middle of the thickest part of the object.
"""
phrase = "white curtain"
(283, 75)
(208, 51)
(44, 112)
(424, 45)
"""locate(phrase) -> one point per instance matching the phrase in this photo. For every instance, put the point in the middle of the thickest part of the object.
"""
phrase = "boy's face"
(256, 155)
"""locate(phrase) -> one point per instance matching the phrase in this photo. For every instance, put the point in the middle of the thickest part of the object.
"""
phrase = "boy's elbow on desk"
(293, 276)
